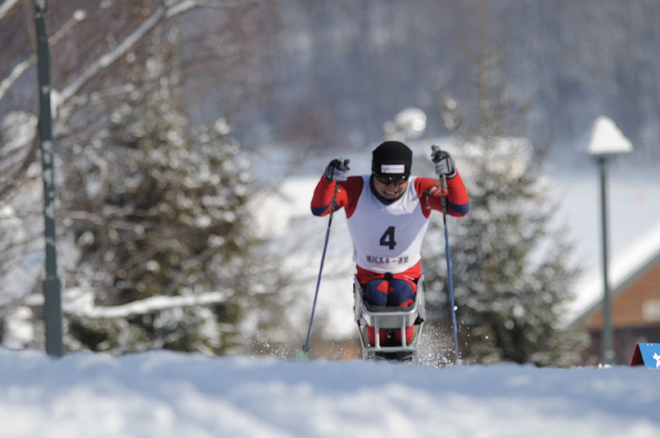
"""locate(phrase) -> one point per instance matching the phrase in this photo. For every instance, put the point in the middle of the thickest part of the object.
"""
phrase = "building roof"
(628, 267)
(633, 212)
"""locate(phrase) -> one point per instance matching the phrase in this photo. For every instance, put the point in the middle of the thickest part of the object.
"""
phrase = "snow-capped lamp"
(606, 139)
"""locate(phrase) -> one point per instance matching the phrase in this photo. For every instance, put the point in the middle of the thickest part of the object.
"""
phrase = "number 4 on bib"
(387, 239)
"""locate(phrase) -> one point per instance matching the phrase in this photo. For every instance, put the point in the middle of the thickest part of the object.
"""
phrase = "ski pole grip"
(435, 150)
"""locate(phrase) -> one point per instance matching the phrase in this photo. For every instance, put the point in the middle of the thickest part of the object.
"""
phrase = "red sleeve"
(457, 198)
(347, 195)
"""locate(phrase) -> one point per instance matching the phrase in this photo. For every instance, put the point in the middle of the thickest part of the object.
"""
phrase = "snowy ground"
(164, 394)
(160, 394)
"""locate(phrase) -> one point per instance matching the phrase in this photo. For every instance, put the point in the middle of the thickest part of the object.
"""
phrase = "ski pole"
(449, 274)
(443, 186)
(305, 347)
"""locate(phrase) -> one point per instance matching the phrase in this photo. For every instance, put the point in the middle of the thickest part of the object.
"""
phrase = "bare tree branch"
(87, 309)
(170, 9)
(6, 7)
(81, 304)
(25, 65)
(16, 73)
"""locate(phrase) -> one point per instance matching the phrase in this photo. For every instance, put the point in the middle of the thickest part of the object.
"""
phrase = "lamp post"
(606, 139)
(51, 286)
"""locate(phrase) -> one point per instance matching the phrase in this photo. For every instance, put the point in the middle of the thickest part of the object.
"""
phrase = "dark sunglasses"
(387, 180)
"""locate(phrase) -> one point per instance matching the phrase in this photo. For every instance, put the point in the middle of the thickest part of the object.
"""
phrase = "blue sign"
(647, 355)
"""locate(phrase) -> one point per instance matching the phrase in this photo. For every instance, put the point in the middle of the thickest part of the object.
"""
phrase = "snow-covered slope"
(161, 394)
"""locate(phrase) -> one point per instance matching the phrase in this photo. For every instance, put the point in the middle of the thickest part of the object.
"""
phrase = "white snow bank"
(162, 394)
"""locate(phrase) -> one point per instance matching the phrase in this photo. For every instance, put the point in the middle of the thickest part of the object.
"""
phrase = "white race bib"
(387, 238)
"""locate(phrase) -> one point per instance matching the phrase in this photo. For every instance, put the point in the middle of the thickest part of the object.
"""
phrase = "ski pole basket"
(390, 318)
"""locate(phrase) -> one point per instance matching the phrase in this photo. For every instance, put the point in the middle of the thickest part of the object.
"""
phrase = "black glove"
(444, 163)
(337, 170)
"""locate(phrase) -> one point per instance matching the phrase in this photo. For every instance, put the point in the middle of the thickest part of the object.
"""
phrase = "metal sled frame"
(387, 318)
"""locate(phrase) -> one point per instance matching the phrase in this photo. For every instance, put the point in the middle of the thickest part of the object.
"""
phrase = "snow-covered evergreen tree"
(154, 228)
(158, 208)
(510, 261)
(512, 279)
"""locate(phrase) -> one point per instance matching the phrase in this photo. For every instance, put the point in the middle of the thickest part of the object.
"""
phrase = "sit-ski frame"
(390, 318)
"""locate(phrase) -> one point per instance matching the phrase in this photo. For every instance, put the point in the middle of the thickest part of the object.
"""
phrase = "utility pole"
(51, 285)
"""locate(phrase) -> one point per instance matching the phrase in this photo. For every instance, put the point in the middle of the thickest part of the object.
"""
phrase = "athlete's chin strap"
(377, 195)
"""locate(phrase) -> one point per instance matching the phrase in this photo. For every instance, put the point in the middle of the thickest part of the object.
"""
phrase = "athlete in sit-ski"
(387, 215)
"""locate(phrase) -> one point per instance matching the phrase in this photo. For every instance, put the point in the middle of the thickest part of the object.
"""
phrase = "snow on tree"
(512, 278)
(156, 210)
(155, 242)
